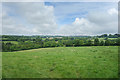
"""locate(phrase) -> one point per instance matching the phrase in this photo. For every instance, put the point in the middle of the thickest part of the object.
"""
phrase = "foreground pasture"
(62, 62)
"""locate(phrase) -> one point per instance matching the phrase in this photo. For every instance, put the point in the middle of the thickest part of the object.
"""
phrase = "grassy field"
(62, 62)
(14, 42)
(0, 65)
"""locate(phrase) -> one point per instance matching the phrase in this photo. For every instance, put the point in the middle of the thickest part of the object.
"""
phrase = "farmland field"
(62, 62)
(0, 65)
(14, 42)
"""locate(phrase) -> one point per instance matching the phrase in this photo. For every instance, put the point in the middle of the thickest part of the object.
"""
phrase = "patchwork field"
(62, 62)
(0, 65)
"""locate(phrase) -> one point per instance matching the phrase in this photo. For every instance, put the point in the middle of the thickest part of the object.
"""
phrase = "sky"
(59, 18)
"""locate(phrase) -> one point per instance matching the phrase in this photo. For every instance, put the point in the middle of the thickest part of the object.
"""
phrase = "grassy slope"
(70, 62)
(0, 65)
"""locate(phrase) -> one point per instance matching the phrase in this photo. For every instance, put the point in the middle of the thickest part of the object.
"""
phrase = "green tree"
(96, 42)
(107, 43)
(88, 43)
(69, 43)
(81, 42)
(102, 43)
(76, 42)
(118, 42)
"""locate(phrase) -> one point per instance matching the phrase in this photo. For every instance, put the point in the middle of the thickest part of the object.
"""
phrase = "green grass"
(43, 38)
(62, 62)
(103, 39)
(14, 42)
(0, 65)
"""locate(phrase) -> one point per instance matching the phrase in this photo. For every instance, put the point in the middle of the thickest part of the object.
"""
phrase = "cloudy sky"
(59, 18)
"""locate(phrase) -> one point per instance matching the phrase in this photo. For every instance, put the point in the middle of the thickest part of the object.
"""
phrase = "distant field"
(103, 39)
(14, 42)
(108, 38)
(62, 62)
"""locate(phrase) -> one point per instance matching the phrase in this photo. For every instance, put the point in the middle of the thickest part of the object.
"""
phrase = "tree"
(69, 43)
(107, 42)
(76, 42)
(105, 35)
(118, 42)
(88, 43)
(21, 40)
(96, 42)
(53, 44)
(81, 42)
(38, 40)
(102, 43)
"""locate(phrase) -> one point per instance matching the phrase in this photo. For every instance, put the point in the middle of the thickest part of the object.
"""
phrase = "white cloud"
(113, 11)
(9, 26)
(0, 18)
(39, 19)
(94, 23)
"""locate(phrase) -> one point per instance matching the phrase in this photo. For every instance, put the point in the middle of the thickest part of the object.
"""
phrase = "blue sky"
(66, 18)
(66, 12)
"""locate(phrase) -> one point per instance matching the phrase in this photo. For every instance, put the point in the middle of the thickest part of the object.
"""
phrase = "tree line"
(27, 42)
